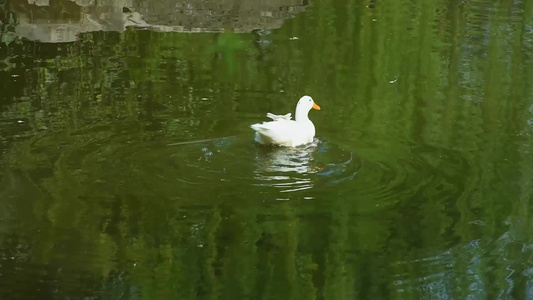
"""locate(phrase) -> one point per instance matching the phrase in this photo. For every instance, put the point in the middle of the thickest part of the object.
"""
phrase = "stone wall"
(62, 20)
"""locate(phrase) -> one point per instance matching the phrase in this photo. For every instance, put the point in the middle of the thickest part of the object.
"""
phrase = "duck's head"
(303, 107)
(306, 103)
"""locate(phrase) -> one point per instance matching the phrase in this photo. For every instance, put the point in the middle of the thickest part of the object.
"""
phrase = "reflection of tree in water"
(61, 21)
(466, 236)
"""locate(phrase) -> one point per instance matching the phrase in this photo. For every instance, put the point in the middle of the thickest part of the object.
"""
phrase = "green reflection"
(129, 171)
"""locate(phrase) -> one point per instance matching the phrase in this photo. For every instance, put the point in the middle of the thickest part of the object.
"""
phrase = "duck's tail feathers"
(257, 127)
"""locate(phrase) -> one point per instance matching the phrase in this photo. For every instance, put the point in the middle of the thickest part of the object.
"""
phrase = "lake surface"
(128, 169)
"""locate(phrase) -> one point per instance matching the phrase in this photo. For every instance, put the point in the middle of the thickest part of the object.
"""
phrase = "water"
(129, 171)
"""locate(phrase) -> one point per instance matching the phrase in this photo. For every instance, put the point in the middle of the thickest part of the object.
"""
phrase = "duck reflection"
(286, 168)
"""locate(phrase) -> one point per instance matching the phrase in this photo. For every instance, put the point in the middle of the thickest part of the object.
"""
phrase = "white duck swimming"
(283, 131)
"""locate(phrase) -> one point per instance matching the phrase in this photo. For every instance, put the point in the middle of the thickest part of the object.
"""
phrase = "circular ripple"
(303, 168)
(107, 162)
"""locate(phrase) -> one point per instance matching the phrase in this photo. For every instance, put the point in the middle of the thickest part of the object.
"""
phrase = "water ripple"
(116, 161)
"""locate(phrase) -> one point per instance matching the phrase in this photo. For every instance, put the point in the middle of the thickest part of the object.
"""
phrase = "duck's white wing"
(279, 117)
(282, 132)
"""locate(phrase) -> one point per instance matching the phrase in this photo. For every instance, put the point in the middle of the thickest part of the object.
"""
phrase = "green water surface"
(128, 169)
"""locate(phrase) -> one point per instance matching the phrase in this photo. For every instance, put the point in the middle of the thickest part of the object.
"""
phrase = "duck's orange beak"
(316, 106)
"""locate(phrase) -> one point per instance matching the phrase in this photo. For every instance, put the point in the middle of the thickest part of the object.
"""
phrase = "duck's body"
(282, 131)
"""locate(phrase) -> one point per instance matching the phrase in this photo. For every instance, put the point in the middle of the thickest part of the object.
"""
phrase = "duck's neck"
(301, 116)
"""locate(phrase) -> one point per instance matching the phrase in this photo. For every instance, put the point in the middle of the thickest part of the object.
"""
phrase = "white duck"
(283, 131)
